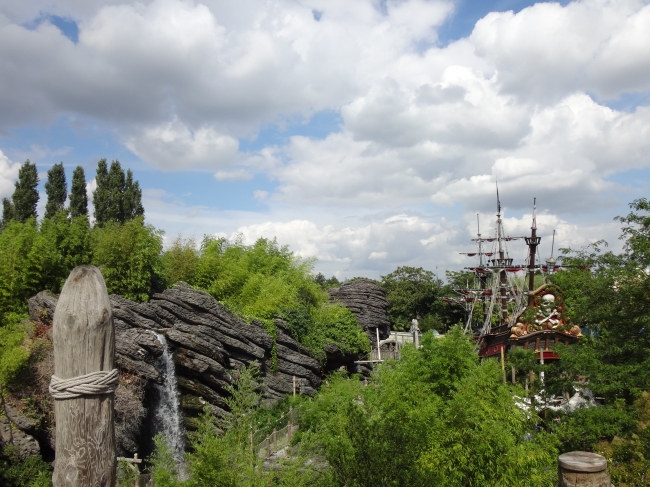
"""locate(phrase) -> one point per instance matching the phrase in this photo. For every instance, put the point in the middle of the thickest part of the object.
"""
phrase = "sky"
(366, 134)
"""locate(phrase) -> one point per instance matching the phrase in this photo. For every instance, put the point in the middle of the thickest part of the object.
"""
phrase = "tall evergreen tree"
(102, 194)
(8, 212)
(56, 189)
(116, 185)
(25, 197)
(132, 198)
(78, 196)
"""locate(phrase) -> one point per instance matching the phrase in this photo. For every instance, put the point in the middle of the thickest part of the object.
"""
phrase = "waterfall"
(167, 417)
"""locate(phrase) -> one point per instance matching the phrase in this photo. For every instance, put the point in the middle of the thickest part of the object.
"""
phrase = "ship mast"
(532, 242)
(502, 263)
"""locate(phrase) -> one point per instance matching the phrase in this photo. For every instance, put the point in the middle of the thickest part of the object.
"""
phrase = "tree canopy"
(25, 197)
(56, 190)
(78, 195)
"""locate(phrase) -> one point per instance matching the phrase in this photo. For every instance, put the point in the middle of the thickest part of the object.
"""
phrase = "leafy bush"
(32, 472)
(128, 256)
(13, 355)
(438, 415)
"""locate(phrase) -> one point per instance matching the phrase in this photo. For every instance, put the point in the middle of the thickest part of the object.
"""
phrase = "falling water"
(167, 418)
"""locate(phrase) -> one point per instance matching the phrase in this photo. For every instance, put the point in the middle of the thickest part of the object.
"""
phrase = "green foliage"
(78, 195)
(8, 212)
(116, 185)
(128, 256)
(180, 262)
(56, 190)
(265, 281)
(25, 197)
(583, 428)
(14, 355)
(67, 244)
(163, 466)
(329, 323)
(32, 472)
(21, 247)
(437, 414)
(326, 283)
(132, 205)
(102, 194)
(412, 293)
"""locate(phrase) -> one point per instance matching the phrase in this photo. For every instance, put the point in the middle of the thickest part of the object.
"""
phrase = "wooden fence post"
(84, 382)
(582, 469)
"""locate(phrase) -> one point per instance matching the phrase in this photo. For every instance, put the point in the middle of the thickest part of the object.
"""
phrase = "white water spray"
(167, 417)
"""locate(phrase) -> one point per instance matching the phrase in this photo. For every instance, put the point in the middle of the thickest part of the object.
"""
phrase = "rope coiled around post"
(102, 382)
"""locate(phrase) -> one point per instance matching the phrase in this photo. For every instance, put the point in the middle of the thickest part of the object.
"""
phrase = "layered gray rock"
(25, 444)
(367, 300)
(209, 344)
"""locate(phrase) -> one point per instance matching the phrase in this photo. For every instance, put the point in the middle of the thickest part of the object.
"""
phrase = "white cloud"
(547, 50)
(377, 255)
(423, 127)
(174, 146)
(8, 175)
(235, 175)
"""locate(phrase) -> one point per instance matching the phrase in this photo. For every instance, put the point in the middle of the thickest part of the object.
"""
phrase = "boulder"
(25, 444)
(367, 300)
(41, 307)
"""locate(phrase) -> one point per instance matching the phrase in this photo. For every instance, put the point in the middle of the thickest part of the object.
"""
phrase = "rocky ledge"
(367, 300)
(209, 345)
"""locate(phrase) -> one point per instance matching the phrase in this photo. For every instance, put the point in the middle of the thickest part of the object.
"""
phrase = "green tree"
(412, 292)
(56, 190)
(132, 198)
(116, 186)
(25, 197)
(180, 262)
(8, 213)
(102, 194)
(128, 256)
(67, 244)
(78, 195)
(440, 416)
(23, 250)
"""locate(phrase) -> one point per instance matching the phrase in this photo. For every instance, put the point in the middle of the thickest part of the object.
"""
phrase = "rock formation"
(367, 300)
(209, 345)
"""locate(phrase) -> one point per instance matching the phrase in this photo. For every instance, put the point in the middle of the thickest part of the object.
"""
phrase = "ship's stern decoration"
(547, 312)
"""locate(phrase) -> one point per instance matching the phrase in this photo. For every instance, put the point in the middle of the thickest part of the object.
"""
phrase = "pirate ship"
(504, 308)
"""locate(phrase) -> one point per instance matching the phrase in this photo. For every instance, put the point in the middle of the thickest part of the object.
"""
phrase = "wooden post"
(503, 364)
(512, 371)
(583, 469)
(84, 342)
(294, 386)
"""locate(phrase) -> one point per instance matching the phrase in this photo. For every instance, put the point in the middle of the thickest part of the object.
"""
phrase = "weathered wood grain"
(84, 342)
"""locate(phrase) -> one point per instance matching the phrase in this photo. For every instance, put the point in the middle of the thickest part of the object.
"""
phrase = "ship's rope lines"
(518, 296)
(468, 325)
(487, 325)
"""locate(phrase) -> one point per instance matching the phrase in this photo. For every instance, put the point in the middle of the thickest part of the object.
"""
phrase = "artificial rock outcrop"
(367, 300)
(209, 344)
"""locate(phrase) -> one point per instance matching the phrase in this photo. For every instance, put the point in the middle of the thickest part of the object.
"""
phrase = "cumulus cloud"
(8, 174)
(424, 126)
(548, 50)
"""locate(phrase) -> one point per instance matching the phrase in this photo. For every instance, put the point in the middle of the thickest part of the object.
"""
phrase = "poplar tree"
(56, 189)
(8, 212)
(116, 186)
(78, 196)
(101, 195)
(132, 198)
(25, 197)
